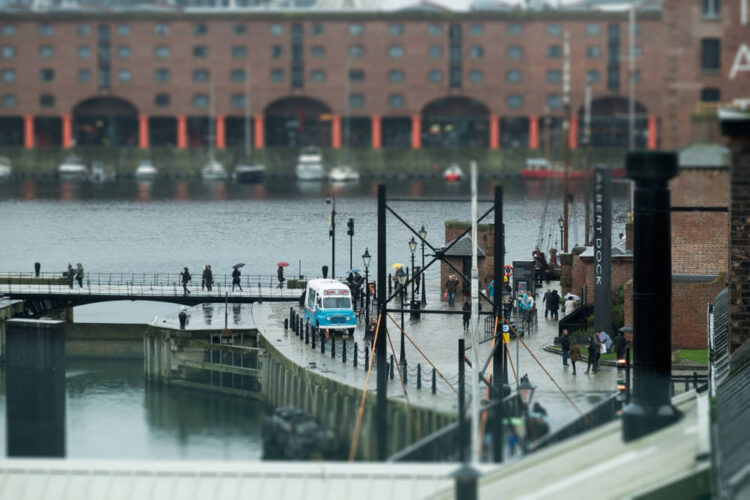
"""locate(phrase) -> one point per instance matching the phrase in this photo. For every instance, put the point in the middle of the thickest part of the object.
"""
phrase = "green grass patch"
(697, 355)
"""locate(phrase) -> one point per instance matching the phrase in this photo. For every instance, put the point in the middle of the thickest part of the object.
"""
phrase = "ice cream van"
(328, 304)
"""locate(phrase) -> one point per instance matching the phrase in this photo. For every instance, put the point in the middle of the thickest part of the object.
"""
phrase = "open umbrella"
(397, 265)
(571, 296)
(282, 264)
(239, 265)
(453, 277)
(353, 271)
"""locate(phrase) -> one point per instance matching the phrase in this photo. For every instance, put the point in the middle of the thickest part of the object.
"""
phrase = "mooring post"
(367, 357)
(500, 359)
(434, 382)
(307, 333)
(343, 352)
(390, 367)
(313, 339)
(404, 367)
(651, 408)
(419, 375)
(354, 355)
(286, 324)
(333, 346)
(381, 427)
(322, 342)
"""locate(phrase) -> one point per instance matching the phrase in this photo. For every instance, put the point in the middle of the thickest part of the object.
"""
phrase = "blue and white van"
(328, 304)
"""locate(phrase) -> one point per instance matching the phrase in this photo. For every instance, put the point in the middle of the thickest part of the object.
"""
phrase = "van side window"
(311, 300)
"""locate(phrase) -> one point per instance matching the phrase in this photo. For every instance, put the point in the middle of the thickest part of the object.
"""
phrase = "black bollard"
(391, 367)
(325, 272)
(343, 353)
(322, 342)
(434, 382)
(183, 319)
(419, 375)
(651, 408)
(404, 369)
(307, 333)
(37, 268)
(354, 355)
(286, 324)
(367, 357)
(333, 346)
(291, 314)
(300, 328)
(313, 339)
(390, 284)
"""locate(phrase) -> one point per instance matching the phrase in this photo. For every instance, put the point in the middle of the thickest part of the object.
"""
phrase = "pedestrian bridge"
(51, 291)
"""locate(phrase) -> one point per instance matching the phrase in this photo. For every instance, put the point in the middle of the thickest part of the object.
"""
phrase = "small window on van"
(311, 300)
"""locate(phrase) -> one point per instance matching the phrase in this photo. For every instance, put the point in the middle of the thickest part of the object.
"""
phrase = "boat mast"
(348, 110)
(211, 118)
(247, 113)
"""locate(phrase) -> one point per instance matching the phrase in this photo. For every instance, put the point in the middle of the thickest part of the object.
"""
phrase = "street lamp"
(332, 234)
(366, 261)
(412, 247)
(526, 390)
(422, 282)
(561, 223)
(401, 277)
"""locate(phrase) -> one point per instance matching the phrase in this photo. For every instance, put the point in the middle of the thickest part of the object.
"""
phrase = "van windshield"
(337, 303)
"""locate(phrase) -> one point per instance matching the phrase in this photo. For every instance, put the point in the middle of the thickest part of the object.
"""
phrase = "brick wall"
(739, 249)
(696, 187)
(485, 264)
(700, 242)
(583, 274)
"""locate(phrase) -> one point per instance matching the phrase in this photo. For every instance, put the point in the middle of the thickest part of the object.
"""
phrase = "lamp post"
(526, 391)
(401, 277)
(366, 261)
(561, 223)
(422, 282)
(412, 247)
(332, 234)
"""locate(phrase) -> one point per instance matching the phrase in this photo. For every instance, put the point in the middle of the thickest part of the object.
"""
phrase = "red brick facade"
(739, 258)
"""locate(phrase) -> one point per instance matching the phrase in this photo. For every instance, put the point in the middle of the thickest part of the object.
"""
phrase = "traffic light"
(350, 227)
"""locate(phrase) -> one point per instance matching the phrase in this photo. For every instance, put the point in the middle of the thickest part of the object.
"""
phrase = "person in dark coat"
(574, 354)
(71, 275)
(554, 304)
(79, 275)
(621, 344)
(466, 314)
(185, 274)
(280, 276)
(204, 277)
(593, 351)
(236, 278)
(565, 346)
(547, 301)
(209, 278)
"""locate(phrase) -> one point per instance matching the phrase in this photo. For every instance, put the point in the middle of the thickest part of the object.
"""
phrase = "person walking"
(565, 346)
(621, 344)
(185, 274)
(209, 278)
(204, 277)
(280, 276)
(574, 354)
(79, 275)
(466, 314)
(450, 287)
(593, 352)
(71, 275)
(547, 301)
(236, 278)
(509, 307)
(491, 291)
(554, 304)
(600, 346)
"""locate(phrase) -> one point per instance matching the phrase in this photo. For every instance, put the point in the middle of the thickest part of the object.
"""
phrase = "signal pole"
(566, 139)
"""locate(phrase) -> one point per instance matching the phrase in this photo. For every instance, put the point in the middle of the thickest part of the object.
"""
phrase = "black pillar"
(499, 360)
(651, 407)
(380, 346)
(35, 388)
(462, 434)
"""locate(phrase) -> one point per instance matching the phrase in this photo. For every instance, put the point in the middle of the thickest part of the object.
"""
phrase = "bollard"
(299, 326)
(183, 319)
(390, 284)
(37, 268)
(322, 342)
(367, 357)
(354, 361)
(419, 375)
(390, 366)
(291, 314)
(307, 333)
(313, 339)
(434, 382)
(286, 324)
(343, 353)
(404, 369)
(333, 346)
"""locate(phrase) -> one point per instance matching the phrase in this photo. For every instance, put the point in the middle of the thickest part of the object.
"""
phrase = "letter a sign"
(741, 61)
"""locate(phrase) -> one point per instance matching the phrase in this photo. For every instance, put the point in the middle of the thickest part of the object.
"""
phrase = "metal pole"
(381, 428)
(461, 403)
(333, 238)
(412, 274)
(402, 354)
(499, 369)
(566, 125)
(587, 144)
(423, 280)
(367, 297)
(631, 77)
(475, 397)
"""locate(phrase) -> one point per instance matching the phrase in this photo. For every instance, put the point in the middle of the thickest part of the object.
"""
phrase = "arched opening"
(455, 121)
(105, 121)
(298, 122)
(609, 123)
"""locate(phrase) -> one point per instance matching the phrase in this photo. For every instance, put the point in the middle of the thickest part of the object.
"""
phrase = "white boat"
(249, 172)
(101, 173)
(214, 171)
(146, 171)
(5, 168)
(453, 173)
(310, 165)
(343, 173)
(73, 169)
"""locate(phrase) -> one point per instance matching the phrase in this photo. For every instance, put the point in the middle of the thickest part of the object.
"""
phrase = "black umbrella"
(238, 265)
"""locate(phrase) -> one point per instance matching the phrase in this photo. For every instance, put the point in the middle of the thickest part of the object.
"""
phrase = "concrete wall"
(104, 340)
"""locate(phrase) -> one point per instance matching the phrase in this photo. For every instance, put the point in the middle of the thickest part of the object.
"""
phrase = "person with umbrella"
(236, 276)
(280, 272)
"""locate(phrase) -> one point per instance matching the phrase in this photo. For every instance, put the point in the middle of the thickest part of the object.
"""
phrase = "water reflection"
(144, 190)
(182, 192)
(208, 313)
(29, 189)
(237, 313)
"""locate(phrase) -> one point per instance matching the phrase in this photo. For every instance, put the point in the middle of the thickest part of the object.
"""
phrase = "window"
(554, 30)
(476, 76)
(337, 303)
(356, 100)
(46, 52)
(200, 29)
(8, 29)
(239, 51)
(396, 51)
(200, 51)
(123, 29)
(9, 52)
(514, 101)
(84, 29)
(84, 52)
(356, 75)
(476, 51)
(456, 78)
(592, 76)
(396, 101)
(317, 51)
(710, 94)
(356, 29)
(84, 75)
(356, 51)
(46, 75)
(161, 52)
(46, 100)
(318, 75)
(515, 52)
(161, 75)
(710, 54)
(395, 29)
(46, 30)
(637, 52)
(103, 53)
(593, 51)
(298, 31)
(161, 100)
(200, 75)
(9, 75)
(298, 77)
(238, 75)
(277, 29)
(103, 78)
(554, 76)
(435, 75)
(317, 29)
(513, 76)
(277, 75)
(123, 52)
(238, 100)
(637, 76)
(200, 100)
(161, 29)
(476, 30)
(710, 9)
(124, 75)
(395, 76)
(455, 53)
(554, 51)
(593, 29)
(434, 30)
(435, 52)
(277, 51)
(9, 101)
(553, 101)
(515, 29)
(239, 29)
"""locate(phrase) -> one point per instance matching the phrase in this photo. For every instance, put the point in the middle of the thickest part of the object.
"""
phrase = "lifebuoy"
(508, 270)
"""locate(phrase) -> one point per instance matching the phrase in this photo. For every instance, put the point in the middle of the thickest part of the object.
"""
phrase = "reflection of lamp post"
(561, 223)
(366, 261)
(526, 390)
(422, 282)
(401, 277)
(412, 247)
(332, 235)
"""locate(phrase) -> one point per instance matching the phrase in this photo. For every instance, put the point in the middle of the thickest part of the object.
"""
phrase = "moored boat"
(249, 172)
(5, 168)
(343, 173)
(214, 171)
(453, 173)
(310, 165)
(73, 169)
(146, 171)
(101, 173)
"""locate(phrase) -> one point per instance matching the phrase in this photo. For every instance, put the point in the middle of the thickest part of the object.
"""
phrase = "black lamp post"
(366, 261)
(412, 247)
(401, 277)
(561, 223)
(422, 282)
(332, 234)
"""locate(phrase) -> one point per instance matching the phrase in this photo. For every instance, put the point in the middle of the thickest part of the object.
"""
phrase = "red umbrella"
(282, 264)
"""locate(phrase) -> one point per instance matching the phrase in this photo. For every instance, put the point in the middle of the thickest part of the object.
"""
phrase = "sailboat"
(247, 171)
(345, 173)
(212, 170)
